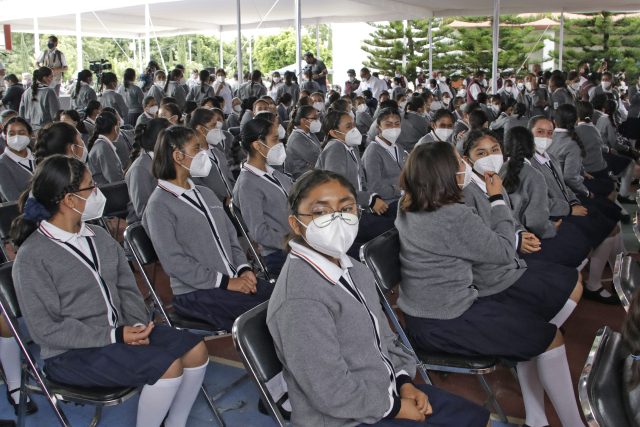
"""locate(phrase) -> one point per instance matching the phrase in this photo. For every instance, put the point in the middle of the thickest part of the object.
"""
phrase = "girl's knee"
(197, 356)
(174, 370)
(558, 341)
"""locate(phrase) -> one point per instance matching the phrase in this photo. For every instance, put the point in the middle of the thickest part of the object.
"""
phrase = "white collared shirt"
(257, 171)
(176, 189)
(561, 130)
(27, 163)
(319, 262)
(543, 159)
(392, 149)
(66, 237)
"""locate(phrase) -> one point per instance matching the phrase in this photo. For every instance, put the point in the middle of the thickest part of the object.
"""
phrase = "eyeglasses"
(324, 216)
(93, 189)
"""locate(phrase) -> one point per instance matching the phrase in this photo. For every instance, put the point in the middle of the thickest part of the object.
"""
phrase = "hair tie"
(34, 211)
(635, 357)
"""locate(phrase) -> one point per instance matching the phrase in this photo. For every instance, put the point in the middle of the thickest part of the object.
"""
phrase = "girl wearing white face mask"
(341, 155)
(261, 191)
(104, 162)
(364, 120)
(209, 124)
(442, 128)
(39, 103)
(303, 146)
(86, 286)
(196, 242)
(324, 304)
(60, 138)
(157, 90)
(383, 159)
(17, 163)
(124, 140)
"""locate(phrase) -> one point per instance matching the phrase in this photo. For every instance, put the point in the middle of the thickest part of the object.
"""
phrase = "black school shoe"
(597, 296)
(31, 407)
(7, 423)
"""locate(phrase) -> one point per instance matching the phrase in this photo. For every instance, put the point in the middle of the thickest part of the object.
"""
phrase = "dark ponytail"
(38, 75)
(146, 136)
(105, 122)
(54, 138)
(174, 75)
(584, 110)
(107, 79)
(256, 129)
(519, 142)
(83, 76)
(331, 122)
(57, 176)
(204, 78)
(128, 77)
(299, 112)
(566, 117)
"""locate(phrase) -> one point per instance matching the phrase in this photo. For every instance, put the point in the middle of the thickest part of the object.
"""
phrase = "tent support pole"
(36, 38)
(298, 25)
(147, 34)
(239, 42)
(431, 47)
(79, 42)
(561, 47)
(496, 44)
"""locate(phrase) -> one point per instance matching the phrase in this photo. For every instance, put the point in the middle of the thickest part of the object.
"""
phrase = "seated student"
(210, 103)
(150, 110)
(284, 107)
(505, 112)
(234, 118)
(518, 118)
(157, 90)
(109, 97)
(447, 309)
(83, 308)
(303, 147)
(340, 155)
(324, 312)
(17, 163)
(60, 138)
(373, 129)
(442, 128)
(132, 95)
(125, 139)
(171, 112)
(415, 125)
(195, 240)
(363, 116)
(174, 89)
(257, 107)
(383, 159)
(139, 176)
(5, 116)
(631, 370)
(208, 123)
(73, 118)
(93, 109)
(261, 191)
(104, 162)
(561, 242)
(198, 92)
(462, 126)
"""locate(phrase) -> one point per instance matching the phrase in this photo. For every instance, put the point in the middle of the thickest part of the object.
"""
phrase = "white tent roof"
(125, 18)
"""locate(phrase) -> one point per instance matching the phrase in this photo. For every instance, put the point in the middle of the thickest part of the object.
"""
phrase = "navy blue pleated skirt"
(220, 307)
(569, 247)
(616, 163)
(448, 410)
(601, 184)
(605, 206)
(122, 365)
(595, 226)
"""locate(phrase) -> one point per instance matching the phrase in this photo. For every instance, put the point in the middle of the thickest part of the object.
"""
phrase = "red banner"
(7, 37)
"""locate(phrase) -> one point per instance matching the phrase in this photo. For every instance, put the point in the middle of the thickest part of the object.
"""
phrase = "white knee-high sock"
(532, 393)
(617, 246)
(598, 261)
(553, 370)
(191, 381)
(563, 315)
(11, 364)
(155, 401)
(626, 179)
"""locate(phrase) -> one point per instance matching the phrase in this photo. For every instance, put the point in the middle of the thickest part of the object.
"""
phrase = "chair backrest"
(626, 278)
(140, 243)
(255, 345)
(117, 197)
(8, 211)
(8, 291)
(236, 217)
(600, 386)
(381, 256)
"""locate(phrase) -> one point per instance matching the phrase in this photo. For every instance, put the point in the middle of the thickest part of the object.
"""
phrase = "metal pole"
(404, 43)
(239, 42)
(561, 48)
(298, 25)
(78, 42)
(36, 38)
(318, 40)
(147, 34)
(251, 53)
(431, 47)
(496, 44)
(221, 50)
(190, 42)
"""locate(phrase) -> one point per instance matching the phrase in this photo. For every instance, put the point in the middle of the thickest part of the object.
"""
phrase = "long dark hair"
(83, 76)
(57, 176)
(174, 76)
(170, 139)
(75, 116)
(519, 141)
(128, 77)
(566, 117)
(105, 123)
(54, 138)
(204, 79)
(631, 337)
(256, 129)
(146, 136)
(38, 75)
(107, 79)
(331, 122)
(299, 113)
(473, 137)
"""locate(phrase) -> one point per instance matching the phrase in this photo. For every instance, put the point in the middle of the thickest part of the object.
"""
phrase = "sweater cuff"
(372, 200)
(223, 281)
(395, 408)
(497, 200)
(244, 268)
(117, 335)
(402, 379)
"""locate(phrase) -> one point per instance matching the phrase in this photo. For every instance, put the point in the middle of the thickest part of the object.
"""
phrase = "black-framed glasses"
(324, 216)
(92, 188)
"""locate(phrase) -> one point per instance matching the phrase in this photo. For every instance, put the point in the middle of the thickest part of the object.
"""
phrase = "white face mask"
(361, 108)
(281, 132)
(94, 205)
(353, 138)
(529, 86)
(402, 105)
(220, 79)
(467, 175)
(443, 134)
(390, 134)
(484, 82)
(520, 86)
(85, 153)
(276, 154)
(214, 136)
(575, 86)
(237, 108)
(336, 238)
(443, 79)
(542, 144)
(508, 89)
(276, 80)
(491, 163)
(153, 110)
(353, 116)
(495, 108)
(160, 84)
(200, 165)
(18, 142)
(315, 126)
(605, 85)
(318, 106)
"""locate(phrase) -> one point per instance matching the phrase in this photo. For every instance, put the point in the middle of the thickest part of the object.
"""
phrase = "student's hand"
(137, 335)
(460, 135)
(250, 275)
(530, 243)
(494, 183)
(613, 151)
(579, 210)
(558, 223)
(242, 285)
(409, 391)
(409, 411)
(379, 207)
(588, 176)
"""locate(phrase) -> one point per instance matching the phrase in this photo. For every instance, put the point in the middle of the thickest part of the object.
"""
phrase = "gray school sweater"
(104, 163)
(176, 91)
(593, 145)
(140, 184)
(264, 208)
(324, 337)
(60, 299)
(200, 92)
(560, 97)
(364, 122)
(81, 100)
(383, 170)
(566, 150)
(609, 134)
(303, 150)
(335, 157)
(14, 179)
(111, 98)
(438, 252)
(561, 198)
(41, 111)
(184, 243)
(493, 277)
(413, 128)
(218, 175)
(530, 202)
(133, 97)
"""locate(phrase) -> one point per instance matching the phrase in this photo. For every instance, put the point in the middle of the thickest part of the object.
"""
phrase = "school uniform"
(383, 164)
(499, 122)
(76, 292)
(220, 180)
(198, 93)
(90, 125)
(144, 118)
(537, 102)
(617, 163)
(364, 121)
(560, 96)
(198, 248)
(12, 96)
(319, 309)
(293, 89)
(111, 98)
(251, 89)
(593, 161)
(283, 114)
(81, 99)
(303, 150)
(310, 86)
(41, 111)
(262, 198)
(133, 97)
(140, 184)
(104, 163)
(514, 121)
(176, 91)
(432, 137)
(15, 174)
(124, 146)
(233, 120)
(413, 127)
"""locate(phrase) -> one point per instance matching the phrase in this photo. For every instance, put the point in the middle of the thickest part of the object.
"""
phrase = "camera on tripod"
(99, 66)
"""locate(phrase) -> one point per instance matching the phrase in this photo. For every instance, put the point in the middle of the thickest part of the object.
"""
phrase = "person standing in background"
(54, 59)
(223, 89)
(318, 70)
(351, 85)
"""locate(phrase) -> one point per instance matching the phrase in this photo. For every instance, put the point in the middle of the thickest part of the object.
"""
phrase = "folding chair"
(52, 391)
(600, 386)
(117, 205)
(626, 278)
(236, 217)
(255, 345)
(8, 211)
(381, 256)
(636, 225)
